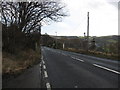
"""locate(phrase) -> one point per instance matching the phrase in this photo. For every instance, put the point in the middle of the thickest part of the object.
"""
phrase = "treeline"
(22, 22)
(48, 41)
(107, 47)
(64, 42)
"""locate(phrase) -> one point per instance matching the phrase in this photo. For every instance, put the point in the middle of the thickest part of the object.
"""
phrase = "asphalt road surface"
(71, 70)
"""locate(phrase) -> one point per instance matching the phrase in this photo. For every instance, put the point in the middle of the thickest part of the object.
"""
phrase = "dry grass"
(19, 62)
(94, 53)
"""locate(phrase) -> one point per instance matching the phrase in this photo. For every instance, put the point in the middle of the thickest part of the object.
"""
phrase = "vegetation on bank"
(21, 32)
(94, 53)
(15, 64)
(20, 51)
(104, 46)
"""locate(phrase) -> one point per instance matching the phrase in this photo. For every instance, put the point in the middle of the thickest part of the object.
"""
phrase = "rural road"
(71, 70)
(63, 69)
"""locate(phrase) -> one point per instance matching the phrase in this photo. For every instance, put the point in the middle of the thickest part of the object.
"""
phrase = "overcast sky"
(103, 19)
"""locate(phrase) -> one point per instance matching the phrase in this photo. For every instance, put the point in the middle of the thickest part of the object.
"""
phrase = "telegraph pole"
(87, 31)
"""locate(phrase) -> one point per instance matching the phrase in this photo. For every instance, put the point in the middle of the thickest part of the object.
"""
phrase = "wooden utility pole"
(87, 31)
(88, 25)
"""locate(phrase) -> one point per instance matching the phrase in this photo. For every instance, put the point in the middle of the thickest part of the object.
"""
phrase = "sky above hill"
(103, 19)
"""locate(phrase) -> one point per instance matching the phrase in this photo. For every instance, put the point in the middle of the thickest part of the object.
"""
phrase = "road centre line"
(77, 59)
(106, 68)
(73, 57)
(64, 54)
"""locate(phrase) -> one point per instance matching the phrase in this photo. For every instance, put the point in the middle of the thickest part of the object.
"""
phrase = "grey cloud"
(114, 4)
(95, 4)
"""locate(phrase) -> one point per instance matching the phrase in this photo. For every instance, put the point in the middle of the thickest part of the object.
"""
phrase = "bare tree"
(30, 15)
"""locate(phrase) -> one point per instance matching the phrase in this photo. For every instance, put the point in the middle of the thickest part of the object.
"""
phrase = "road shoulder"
(29, 79)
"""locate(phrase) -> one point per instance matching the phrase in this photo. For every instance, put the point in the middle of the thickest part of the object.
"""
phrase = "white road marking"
(44, 66)
(79, 60)
(45, 73)
(48, 86)
(73, 57)
(40, 64)
(64, 54)
(43, 61)
(106, 68)
(42, 57)
(75, 86)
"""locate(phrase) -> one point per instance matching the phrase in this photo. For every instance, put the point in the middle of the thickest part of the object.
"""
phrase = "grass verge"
(13, 65)
(94, 53)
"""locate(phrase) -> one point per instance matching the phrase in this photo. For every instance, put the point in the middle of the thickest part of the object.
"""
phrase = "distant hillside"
(67, 37)
(99, 40)
(104, 40)
(104, 46)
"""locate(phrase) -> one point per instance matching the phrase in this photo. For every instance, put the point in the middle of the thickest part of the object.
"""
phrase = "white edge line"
(48, 86)
(40, 65)
(44, 66)
(42, 57)
(45, 74)
(43, 61)
(106, 68)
